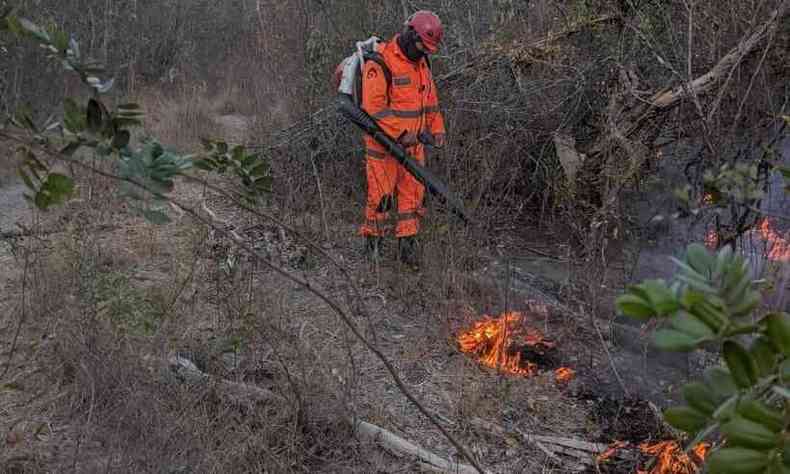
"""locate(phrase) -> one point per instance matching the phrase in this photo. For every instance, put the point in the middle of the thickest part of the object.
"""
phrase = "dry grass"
(106, 304)
(109, 302)
(96, 308)
(179, 116)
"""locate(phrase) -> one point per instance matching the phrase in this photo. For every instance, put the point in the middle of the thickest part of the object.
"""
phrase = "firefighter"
(406, 108)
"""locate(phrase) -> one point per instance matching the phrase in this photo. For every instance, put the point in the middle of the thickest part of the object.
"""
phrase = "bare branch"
(244, 246)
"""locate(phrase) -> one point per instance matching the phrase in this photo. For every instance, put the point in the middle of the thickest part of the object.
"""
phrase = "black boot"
(408, 251)
(373, 246)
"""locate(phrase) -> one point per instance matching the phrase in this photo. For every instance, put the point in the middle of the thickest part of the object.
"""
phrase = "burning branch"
(671, 459)
(778, 245)
(667, 457)
(574, 455)
(564, 374)
(492, 340)
(502, 343)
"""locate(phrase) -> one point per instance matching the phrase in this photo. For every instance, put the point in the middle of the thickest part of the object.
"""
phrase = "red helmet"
(428, 27)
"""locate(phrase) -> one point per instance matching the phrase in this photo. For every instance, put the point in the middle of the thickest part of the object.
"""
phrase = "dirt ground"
(411, 321)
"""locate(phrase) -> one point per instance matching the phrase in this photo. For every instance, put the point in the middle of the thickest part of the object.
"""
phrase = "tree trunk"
(626, 125)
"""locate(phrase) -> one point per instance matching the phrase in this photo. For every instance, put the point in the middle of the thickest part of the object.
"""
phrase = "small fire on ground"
(501, 343)
(777, 246)
(667, 457)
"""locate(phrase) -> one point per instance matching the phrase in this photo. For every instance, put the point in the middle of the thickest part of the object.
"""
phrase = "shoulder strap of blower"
(378, 59)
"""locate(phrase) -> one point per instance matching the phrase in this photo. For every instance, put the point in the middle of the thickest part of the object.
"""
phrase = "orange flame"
(778, 245)
(610, 451)
(564, 374)
(670, 458)
(497, 342)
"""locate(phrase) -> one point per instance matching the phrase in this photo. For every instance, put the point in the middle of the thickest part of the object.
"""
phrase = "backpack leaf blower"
(432, 183)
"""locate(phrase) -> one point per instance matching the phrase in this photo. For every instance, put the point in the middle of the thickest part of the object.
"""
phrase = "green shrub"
(713, 300)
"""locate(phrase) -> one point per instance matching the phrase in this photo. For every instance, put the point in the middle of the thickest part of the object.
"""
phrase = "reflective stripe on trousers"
(386, 178)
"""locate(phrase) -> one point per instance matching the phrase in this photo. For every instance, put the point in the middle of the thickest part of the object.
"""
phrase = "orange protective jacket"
(405, 109)
(412, 104)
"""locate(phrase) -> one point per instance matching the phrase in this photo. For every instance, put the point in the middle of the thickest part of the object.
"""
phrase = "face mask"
(408, 45)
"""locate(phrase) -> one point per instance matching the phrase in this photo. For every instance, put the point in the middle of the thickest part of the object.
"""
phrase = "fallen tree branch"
(22, 317)
(580, 451)
(572, 29)
(667, 98)
(550, 37)
(404, 448)
(703, 83)
(241, 393)
(238, 393)
(551, 455)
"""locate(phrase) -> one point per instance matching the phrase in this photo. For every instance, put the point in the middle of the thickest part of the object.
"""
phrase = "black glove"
(407, 139)
(435, 141)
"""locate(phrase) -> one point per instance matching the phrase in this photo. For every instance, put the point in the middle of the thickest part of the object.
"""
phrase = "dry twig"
(241, 244)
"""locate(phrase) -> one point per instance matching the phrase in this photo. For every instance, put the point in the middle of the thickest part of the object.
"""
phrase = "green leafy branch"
(712, 300)
(252, 170)
(156, 169)
(51, 188)
(92, 125)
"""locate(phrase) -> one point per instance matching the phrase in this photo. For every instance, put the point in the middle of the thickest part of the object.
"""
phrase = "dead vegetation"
(137, 348)
(119, 300)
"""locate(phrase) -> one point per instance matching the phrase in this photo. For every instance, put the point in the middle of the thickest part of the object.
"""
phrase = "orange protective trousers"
(391, 186)
(405, 108)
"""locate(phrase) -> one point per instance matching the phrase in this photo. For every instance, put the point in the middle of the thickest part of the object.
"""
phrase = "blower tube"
(431, 182)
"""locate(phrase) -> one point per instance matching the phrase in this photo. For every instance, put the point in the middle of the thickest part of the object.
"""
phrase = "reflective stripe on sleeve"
(408, 113)
(379, 155)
